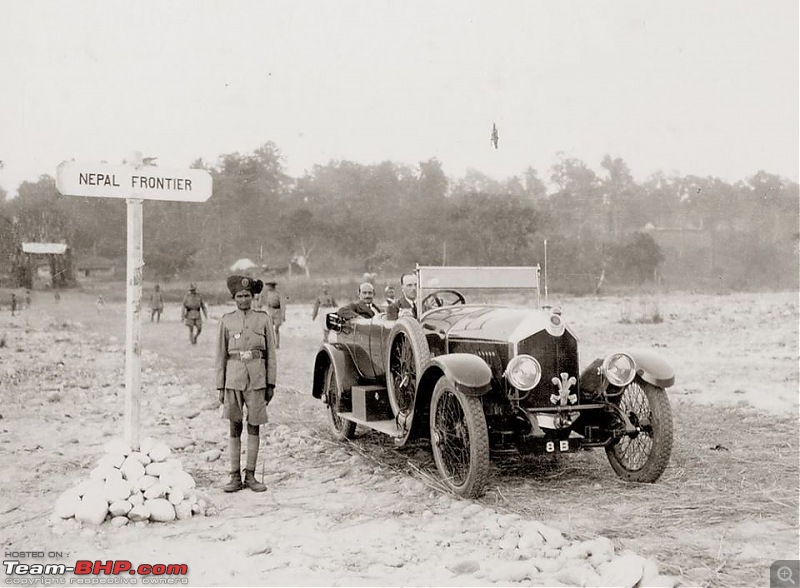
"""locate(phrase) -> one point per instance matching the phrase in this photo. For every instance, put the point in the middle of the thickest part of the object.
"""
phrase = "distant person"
(13, 304)
(156, 303)
(363, 307)
(258, 303)
(406, 305)
(389, 296)
(27, 298)
(100, 303)
(57, 295)
(323, 300)
(191, 308)
(275, 307)
(245, 377)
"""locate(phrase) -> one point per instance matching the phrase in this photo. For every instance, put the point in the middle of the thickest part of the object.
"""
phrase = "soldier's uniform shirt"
(244, 379)
(323, 301)
(274, 306)
(192, 303)
(157, 301)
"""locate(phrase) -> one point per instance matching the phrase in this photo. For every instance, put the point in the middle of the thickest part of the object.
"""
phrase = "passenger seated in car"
(405, 305)
(363, 307)
(390, 297)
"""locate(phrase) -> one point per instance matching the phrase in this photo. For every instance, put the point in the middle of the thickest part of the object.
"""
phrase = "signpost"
(135, 183)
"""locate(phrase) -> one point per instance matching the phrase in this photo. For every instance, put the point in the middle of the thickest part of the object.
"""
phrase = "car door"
(361, 347)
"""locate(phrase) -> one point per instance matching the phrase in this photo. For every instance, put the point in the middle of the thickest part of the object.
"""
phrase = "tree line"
(602, 228)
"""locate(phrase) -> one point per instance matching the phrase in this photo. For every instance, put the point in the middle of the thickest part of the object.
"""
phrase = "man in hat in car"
(275, 307)
(246, 369)
(192, 306)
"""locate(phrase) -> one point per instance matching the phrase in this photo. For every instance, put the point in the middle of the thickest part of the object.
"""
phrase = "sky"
(703, 87)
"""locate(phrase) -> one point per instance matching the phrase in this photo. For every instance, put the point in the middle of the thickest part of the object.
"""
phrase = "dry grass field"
(365, 513)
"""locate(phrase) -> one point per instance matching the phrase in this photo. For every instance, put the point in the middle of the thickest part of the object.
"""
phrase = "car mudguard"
(345, 370)
(468, 373)
(652, 367)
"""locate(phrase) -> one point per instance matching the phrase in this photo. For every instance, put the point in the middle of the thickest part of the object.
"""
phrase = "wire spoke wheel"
(459, 439)
(403, 372)
(643, 456)
(342, 428)
(407, 357)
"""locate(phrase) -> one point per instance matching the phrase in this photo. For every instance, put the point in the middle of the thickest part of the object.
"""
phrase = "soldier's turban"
(239, 283)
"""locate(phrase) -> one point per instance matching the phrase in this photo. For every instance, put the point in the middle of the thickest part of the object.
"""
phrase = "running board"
(387, 427)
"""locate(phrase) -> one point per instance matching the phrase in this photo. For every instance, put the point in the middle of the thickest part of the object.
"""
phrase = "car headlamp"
(619, 369)
(523, 372)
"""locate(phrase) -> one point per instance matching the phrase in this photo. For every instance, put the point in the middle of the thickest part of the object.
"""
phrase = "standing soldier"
(246, 371)
(156, 303)
(193, 304)
(323, 300)
(276, 309)
(27, 299)
(258, 304)
(13, 304)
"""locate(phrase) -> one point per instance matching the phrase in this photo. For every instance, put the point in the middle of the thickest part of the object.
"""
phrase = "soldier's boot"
(235, 452)
(253, 441)
(251, 482)
(235, 483)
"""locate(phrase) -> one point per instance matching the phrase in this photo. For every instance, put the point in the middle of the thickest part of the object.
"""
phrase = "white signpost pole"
(134, 183)
(133, 324)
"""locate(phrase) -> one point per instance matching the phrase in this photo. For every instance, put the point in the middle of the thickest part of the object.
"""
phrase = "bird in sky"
(495, 137)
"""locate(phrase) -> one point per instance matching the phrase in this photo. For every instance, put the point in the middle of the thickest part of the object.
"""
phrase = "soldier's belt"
(245, 355)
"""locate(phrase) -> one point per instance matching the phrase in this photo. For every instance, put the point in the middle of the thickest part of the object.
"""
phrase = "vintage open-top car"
(483, 379)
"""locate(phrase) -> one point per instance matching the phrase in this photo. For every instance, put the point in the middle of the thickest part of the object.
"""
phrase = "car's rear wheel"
(643, 456)
(342, 428)
(459, 439)
(407, 357)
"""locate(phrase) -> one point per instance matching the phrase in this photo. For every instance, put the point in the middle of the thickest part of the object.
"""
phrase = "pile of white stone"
(134, 486)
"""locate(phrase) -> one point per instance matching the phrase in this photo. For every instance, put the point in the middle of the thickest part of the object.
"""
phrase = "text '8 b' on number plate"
(557, 446)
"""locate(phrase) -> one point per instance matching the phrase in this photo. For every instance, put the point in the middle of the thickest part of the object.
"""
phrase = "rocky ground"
(365, 513)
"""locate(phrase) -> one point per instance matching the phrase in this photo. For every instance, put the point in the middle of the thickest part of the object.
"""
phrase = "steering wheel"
(441, 298)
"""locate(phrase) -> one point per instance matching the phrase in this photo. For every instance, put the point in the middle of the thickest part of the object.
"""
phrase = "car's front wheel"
(459, 439)
(342, 428)
(643, 456)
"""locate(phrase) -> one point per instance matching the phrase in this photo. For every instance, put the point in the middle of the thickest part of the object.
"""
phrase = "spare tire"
(407, 357)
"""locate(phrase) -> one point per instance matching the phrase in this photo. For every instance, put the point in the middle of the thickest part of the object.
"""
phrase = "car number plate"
(558, 446)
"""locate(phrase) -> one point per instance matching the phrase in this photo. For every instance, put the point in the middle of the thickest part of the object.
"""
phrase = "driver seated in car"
(363, 307)
(405, 305)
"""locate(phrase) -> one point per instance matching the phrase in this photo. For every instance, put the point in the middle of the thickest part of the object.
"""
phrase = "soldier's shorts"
(196, 322)
(277, 317)
(236, 400)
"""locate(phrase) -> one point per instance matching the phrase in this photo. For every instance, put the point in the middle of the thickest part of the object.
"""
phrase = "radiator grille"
(556, 355)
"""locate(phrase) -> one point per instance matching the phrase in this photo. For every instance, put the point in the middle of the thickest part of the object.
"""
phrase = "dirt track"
(365, 513)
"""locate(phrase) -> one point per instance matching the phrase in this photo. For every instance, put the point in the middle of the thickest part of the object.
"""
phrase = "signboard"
(135, 183)
(103, 180)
